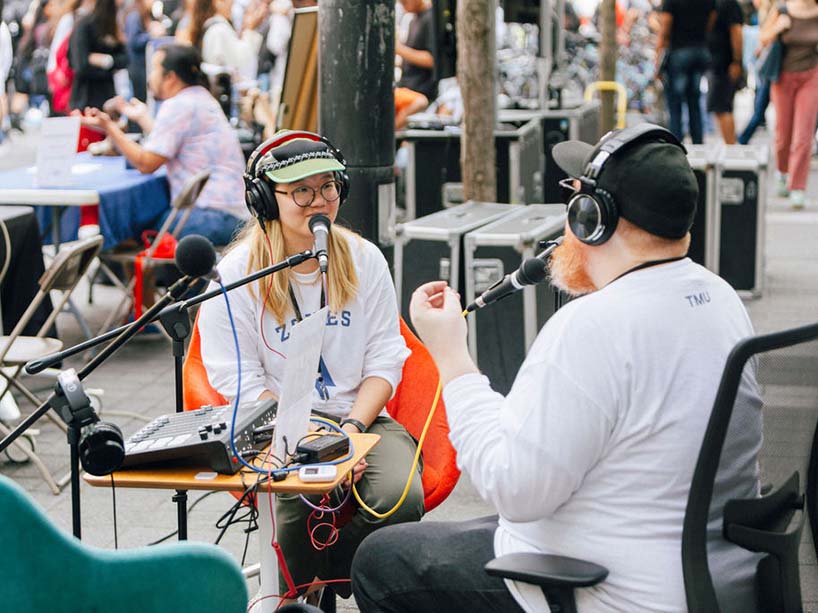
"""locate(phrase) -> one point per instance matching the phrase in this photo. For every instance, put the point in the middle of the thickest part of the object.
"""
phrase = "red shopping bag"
(165, 250)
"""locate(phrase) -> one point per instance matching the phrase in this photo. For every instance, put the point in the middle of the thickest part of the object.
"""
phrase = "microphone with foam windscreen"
(319, 226)
(196, 257)
(531, 271)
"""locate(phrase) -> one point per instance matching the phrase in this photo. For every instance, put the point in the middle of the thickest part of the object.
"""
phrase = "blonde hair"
(342, 278)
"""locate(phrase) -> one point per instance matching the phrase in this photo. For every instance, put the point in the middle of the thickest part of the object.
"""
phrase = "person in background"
(140, 28)
(795, 95)
(6, 59)
(96, 51)
(726, 73)
(60, 73)
(682, 59)
(212, 33)
(417, 52)
(592, 452)
(762, 92)
(190, 134)
(362, 353)
(31, 59)
(278, 37)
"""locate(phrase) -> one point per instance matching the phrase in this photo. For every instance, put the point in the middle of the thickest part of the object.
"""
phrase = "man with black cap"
(591, 454)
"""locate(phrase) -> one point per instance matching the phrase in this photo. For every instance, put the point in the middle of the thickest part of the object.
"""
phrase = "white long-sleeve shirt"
(362, 340)
(592, 452)
(223, 47)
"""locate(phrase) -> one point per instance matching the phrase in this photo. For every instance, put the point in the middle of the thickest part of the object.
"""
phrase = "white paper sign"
(56, 151)
(300, 372)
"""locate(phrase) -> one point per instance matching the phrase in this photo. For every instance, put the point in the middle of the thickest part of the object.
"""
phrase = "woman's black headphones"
(259, 195)
(592, 211)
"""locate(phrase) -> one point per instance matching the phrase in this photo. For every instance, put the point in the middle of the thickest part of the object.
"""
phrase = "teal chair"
(45, 569)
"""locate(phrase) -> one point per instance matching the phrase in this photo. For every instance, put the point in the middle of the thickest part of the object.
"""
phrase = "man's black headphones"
(592, 211)
(259, 192)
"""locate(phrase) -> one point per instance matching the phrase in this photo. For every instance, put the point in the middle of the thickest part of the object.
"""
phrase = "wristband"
(361, 427)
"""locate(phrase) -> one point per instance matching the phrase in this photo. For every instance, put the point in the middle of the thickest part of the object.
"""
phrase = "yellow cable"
(375, 513)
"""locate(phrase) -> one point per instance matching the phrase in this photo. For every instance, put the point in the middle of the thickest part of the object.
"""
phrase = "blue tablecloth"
(129, 201)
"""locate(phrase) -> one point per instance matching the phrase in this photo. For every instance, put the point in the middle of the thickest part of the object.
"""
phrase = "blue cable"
(236, 455)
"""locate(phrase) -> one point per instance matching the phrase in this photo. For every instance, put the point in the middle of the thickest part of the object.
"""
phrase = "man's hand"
(437, 315)
(135, 110)
(94, 118)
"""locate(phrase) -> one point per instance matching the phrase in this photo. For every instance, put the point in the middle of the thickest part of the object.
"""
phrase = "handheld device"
(317, 473)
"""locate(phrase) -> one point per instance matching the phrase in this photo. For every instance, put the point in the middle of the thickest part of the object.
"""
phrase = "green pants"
(380, 488)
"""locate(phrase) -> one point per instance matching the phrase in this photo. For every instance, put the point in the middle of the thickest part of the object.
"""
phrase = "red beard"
(567, 268)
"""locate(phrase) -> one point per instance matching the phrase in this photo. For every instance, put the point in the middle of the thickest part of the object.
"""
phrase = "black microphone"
(531, 271)
(319, 226)
(196, 257)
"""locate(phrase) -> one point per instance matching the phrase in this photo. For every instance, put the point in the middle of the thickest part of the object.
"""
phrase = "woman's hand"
(357, 473)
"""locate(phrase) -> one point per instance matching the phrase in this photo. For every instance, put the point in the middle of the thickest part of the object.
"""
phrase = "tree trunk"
(476, 76)
(607, 64)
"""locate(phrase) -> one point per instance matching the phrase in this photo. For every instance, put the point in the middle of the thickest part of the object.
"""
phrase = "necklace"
(648, 264)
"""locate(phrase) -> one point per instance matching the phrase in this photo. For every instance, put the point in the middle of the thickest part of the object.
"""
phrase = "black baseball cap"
(651, 182)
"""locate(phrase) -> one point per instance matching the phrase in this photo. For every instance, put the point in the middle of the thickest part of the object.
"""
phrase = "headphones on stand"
(592, 211)
(100, 444)
(259, 195)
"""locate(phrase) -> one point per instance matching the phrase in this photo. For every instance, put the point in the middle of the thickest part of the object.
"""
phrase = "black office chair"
(771, 524)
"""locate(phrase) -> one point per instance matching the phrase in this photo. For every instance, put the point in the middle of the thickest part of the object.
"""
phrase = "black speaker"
(741, 200)
(434, 159)
(431, 247)
(702, 160)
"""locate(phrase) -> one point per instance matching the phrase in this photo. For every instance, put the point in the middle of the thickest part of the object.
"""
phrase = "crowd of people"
(61, 55)
(705, 37)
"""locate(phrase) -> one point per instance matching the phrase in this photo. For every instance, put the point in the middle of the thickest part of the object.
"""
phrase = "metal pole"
(357, 104)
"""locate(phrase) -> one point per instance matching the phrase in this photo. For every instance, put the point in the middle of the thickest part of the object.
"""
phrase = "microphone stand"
(176, 321)
(57, 398)
(152, 315)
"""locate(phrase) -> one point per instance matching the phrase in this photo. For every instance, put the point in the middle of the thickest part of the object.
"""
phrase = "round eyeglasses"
(304, 195)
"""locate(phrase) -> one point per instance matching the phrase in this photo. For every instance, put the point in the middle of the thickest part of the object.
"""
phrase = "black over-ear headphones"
(100, 446)
(259, 193)
(592, 211)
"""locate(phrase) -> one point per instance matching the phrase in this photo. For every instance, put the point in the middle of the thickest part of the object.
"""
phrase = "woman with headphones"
(291, 178)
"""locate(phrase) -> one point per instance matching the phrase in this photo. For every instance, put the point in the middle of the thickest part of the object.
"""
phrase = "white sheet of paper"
(300, 371)
(56, 151)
